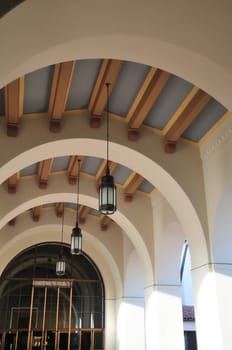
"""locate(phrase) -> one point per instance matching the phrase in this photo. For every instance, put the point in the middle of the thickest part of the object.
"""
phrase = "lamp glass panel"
(60, 267)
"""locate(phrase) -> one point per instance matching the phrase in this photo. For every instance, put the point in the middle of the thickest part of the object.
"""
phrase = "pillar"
(213, 307)
(110, 324)
(130, 324)
(163, 318)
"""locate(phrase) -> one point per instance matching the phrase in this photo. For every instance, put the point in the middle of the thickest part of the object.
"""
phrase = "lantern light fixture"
(107, 188)
(60, 264)
(76, 236)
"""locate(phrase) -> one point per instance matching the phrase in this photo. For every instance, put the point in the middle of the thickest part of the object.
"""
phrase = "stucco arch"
(35, 198)
(173, 184)
(45, 232)
(50, 34)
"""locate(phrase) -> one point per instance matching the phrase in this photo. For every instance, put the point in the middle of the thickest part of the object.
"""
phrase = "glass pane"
(98, 340)
(64, 308)
(50, 319)
(38, 305)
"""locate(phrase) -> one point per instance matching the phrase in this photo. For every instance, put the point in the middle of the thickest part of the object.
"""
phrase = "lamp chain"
(78, 184)
(107, 131)
(62, 230)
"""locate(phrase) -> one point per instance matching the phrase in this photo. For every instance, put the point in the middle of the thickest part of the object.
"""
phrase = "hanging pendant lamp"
(76, 236)
(107, 188)
(60, 264)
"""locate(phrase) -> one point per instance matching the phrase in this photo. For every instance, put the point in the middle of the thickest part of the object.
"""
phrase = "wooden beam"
(73, 168)
(105, 222)
(185, 118)
(12, 222)
(102, 170)
(132, 186)
(59, 209)
(44, 172)
(83, 213)
(36, 213)
(12, 183)
(59, 93)
(147, 100)
(109, 72)
(141, 93)
(14, 105)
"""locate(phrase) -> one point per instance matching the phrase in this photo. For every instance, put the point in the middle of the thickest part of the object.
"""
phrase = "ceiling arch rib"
(28, 235)
(127, 224)
(12, 183)
(14, 105)
(59, 93)
(151, 99)
(108, 73)
(146, 101)
(155, 169)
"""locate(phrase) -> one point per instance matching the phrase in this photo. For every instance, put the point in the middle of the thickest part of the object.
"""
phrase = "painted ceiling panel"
(2, 102)
(30, 170)
(72, 205)
(94, 212)
(60, 163)
(48, 205)
(91, 165)
(129, 82)
(168, 102)
(205, 121)
(83, 81)
(37, 89)
(121, 174)
(146, 187)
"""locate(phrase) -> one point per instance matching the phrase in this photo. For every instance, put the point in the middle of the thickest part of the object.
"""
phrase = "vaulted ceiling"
(140, 97)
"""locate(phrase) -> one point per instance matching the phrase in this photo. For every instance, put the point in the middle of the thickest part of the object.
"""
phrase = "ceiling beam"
(12, 183)
(183, 118)
(141, 93)
(12, 222)
(14, 93)
(59, 209)
(44, 172)
(108, 73)
(105, 222)
(83, 213)
(36, 213)
(145, 102)
(73, 169)
(59, 93)
(134, 182)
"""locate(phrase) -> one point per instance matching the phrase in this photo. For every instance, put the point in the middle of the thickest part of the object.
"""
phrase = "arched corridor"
(170, 71)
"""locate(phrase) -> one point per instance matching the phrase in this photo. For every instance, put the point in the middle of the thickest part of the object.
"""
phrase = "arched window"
(34, 301)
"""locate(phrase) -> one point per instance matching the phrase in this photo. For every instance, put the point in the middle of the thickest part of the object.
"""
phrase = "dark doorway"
(85, 340)
(23, 322)
(9, 341)
(22, 341)
(50, 341)
(63, 341)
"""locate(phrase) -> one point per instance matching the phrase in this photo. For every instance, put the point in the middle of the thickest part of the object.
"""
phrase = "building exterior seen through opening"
(162, 131)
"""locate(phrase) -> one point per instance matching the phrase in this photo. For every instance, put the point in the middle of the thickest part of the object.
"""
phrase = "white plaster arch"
(92, 246)
(86, 30)
(124, 221)
(153, 172)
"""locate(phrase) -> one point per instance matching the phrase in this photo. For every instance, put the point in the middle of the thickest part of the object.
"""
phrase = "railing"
(12, 339)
